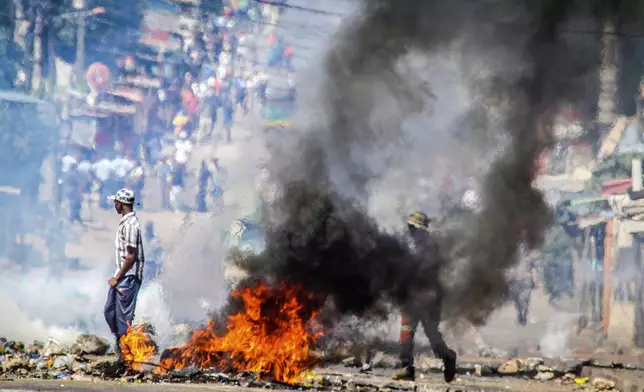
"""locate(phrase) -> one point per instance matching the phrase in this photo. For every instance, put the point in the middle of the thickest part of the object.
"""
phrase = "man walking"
(523, 282)
(424, 308)
(125, 284)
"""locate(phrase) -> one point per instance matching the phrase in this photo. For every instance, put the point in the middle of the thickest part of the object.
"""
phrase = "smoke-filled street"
(369, 195)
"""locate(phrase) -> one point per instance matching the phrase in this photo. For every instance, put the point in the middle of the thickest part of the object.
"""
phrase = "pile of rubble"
(50, 360)
(588, 374)
(89, 358)
(561, 372)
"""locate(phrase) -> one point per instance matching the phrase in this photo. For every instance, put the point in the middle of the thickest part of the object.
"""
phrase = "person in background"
(219, 177)
(72, 187)
(154, 255)
(522, 282)
(130, 260)
(260, 83)
(86, 180)
(152, 143)
(213, 102)
(523, 276)
(136, 179)
(288, 58)
(183, 147)
(104, 173)
(292, 91)
(122, 166)
(204, 179)
(180, 123)
(228, 109)
(66, 163)
(164, 172)
(240, 92)
(177, 183)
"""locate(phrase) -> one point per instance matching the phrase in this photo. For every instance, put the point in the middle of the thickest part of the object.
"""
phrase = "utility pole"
(80, 39)
(608, 74)
(80, 45)
(36, 73)
(20, 32)
(51, 63)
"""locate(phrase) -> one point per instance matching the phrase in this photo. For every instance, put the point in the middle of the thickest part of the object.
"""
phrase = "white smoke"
(415, 168)
(152, 307)
(193, 270)
(36, 305)
(555, 341)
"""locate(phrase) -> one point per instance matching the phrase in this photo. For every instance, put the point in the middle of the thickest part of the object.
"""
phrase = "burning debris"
(137, 346)
(321, 243)
(269, 336)
(52, 360)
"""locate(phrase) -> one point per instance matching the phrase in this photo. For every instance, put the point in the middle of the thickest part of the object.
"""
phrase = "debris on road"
(88, 359)
(602, 384)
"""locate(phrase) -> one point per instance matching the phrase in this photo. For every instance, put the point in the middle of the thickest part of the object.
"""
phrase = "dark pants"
(75, 206)
(165, 202)
(202, 206)
(121, 301)
(427, 312)
(105, 190)
(520, 291)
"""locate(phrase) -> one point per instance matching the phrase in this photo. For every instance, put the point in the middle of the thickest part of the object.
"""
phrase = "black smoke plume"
(318, 232)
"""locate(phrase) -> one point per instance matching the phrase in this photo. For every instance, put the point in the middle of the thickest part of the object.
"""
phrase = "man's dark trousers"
(121, 301)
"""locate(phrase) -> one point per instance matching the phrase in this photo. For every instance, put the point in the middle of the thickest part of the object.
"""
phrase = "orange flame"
(268, 337)
(137, 347)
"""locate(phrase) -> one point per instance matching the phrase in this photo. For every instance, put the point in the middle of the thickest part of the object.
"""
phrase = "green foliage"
(117, 28)
(557, 241)
(8, 67)
(111, 33)
(557, 262)
(613, 167)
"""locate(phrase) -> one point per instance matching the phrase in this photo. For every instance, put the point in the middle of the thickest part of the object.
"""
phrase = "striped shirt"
(129, 234)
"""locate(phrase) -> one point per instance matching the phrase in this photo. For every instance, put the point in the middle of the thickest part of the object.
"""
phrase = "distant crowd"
(218, 77)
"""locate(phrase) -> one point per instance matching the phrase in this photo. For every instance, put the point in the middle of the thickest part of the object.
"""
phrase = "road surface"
(429, 383)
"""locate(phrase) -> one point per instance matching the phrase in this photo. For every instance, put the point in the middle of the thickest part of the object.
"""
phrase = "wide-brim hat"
(418, 219)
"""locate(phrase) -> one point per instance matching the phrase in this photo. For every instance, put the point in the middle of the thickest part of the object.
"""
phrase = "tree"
(8, 49)
(41, 13)
(25, 140)
(116, 31)
(107, 35)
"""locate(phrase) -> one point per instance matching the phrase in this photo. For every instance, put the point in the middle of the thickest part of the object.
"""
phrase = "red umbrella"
(98, 76)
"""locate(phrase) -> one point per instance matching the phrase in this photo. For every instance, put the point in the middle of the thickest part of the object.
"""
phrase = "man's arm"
(129, 262)
(131, 241)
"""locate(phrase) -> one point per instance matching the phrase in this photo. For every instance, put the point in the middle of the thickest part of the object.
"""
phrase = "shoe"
(366, 368)
(118, 351)
(407, 373)
(449, 366)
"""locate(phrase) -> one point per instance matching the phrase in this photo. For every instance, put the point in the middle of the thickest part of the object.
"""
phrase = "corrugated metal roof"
(15, 96)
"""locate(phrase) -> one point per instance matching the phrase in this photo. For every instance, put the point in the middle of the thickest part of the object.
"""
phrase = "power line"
(297, 7)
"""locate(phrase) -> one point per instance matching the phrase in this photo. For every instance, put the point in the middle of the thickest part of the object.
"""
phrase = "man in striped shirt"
(125, 284)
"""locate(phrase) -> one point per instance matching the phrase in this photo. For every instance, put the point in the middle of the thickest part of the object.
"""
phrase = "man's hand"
(113, 282)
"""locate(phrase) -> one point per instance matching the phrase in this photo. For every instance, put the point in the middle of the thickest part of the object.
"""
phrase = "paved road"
(428, 383)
